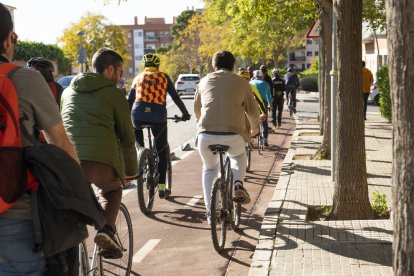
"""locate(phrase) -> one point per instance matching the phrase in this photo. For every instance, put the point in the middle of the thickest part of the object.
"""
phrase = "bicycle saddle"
(222, 148)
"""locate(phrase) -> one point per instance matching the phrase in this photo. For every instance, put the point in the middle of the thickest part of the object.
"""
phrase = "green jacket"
(97, 118)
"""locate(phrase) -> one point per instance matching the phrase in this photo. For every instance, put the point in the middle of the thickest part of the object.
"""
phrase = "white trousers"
(211, 166)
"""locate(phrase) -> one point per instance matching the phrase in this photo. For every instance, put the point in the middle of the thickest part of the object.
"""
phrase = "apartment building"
(303, 57)
(143, 39)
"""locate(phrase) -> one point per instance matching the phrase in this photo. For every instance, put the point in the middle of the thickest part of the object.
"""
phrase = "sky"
(45, 20)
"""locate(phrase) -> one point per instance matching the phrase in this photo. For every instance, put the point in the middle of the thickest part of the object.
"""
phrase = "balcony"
(300, 58)
(151, 38)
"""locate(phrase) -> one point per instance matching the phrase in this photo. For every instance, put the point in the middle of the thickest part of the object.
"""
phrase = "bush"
(309, 84)
(383, 83)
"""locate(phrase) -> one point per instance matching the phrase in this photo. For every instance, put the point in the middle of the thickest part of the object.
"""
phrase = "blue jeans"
(16, 249)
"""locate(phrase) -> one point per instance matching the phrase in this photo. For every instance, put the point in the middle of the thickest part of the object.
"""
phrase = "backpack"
(15, 179)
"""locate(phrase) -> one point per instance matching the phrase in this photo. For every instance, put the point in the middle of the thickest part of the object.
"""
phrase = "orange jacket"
(367, 80)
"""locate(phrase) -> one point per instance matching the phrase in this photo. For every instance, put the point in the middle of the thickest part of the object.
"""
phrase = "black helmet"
(40, 63)
(290, 69)
(151, 60)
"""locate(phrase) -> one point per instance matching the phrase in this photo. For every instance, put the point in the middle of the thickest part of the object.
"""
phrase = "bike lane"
(175, 238)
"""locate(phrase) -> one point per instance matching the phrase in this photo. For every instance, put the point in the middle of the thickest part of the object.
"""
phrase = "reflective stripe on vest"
(151, 87)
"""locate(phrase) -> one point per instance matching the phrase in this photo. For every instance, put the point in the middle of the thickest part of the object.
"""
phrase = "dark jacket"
(268, 79)
(65, 201)
(278, 86)
(292, 79)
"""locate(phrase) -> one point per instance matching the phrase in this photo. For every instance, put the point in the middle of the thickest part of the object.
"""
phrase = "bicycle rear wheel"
(234, 208)
(218, 217)
(168, 179)
(145, 181)
(125, 237)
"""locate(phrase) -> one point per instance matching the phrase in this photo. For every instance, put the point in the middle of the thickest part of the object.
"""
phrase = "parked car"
(65, 80)
(186, 84)
(374, 94)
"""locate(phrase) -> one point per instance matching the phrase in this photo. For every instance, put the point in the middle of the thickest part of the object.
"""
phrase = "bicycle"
(224, 211)
(148, 175)
(291, 104)
(260, 139)
(103, 263)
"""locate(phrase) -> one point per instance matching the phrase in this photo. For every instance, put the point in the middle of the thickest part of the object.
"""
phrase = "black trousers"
(292, 91)
(277, 110)
(365, 101)
(160, 133)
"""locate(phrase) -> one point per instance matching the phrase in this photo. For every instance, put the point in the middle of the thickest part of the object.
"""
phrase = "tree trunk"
(350, 199)
(326, 45)
(400, 23)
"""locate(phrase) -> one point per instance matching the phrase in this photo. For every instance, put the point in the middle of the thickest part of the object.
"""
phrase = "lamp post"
(81, 51)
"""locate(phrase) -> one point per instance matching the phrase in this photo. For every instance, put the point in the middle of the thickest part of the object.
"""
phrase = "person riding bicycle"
(148, 97)
(96, 116)
(245, 74)
(292, 84)
(279, 89)
(264, 90)
(221, 102)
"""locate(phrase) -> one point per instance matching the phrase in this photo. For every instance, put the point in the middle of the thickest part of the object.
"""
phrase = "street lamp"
(81, 51)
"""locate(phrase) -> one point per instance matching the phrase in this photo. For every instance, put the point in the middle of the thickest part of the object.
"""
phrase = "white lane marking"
(181, 154)
(192, 202)
(145, 250)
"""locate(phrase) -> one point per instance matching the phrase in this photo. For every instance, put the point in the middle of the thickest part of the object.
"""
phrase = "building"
(143, 39)
(374, 54)
(302, 58)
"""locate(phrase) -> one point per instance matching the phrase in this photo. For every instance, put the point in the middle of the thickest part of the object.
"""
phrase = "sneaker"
(161, 190)
(240, 193)
(105, 239)
(266, 144)
(274, 128)
(294, 110)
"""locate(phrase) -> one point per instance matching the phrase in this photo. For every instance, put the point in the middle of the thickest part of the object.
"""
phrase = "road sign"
(314, 30)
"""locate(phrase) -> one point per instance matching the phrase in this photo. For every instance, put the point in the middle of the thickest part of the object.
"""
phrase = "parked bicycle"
(148, 175)
(224, 211)
(102, 263)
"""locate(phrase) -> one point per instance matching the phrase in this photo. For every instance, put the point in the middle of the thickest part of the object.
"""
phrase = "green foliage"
(25, 50)
(312, 71)
(182, 22)
(374, 13)
(379, 204)
(98, 33)
(383, 83)
(309, 84)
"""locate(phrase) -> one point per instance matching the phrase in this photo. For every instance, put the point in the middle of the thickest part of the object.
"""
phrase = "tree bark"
(400, 23)
(325, 90)
(350, 199)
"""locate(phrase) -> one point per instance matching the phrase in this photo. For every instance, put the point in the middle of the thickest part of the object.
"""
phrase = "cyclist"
(279, 89)
(96, 117)
(292, 84)
(264, 90)
(263, 108)
(148, 97)
(221, 102)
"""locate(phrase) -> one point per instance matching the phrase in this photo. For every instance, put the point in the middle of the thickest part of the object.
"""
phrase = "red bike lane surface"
(175, 238)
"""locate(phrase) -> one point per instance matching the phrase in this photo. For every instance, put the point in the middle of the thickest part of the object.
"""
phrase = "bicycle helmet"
(151, 60)
(40, 63)
(290, 69)
(244, 73)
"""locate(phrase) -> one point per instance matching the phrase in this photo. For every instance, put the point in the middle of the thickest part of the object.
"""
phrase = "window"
(309, 53)
(190, 78)
(316, 53)
(308, 41)
(308, 65)
(129, 35)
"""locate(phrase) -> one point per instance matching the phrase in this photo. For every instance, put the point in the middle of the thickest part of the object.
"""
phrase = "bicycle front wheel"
(218, 217)
(168, 180)
(145, 181)
(83, 259)
(125, 237)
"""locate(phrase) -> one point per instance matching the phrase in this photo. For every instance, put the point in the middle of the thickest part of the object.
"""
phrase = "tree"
(181, 22)
(326, 11)
(400, 25)
(98, 33)
(350, 199)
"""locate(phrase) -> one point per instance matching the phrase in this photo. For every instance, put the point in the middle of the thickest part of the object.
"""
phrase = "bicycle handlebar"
(176, 118)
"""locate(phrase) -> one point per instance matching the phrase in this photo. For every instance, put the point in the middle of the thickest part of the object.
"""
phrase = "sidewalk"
(291, 245)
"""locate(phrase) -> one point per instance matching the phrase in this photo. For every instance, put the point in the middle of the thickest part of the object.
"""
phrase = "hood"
(90, 82)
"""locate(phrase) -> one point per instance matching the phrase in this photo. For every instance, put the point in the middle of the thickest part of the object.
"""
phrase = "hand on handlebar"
(186, 117)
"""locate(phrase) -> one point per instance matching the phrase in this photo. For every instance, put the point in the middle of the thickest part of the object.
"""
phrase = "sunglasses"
(14, 38)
